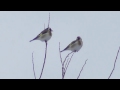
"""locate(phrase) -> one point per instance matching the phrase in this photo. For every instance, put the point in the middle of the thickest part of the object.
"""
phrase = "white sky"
(99, 30)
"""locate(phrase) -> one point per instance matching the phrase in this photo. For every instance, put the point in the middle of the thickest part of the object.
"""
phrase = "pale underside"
(44, 37)
(75, 47)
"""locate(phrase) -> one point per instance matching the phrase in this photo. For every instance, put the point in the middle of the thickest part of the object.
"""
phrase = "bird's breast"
(45, 37)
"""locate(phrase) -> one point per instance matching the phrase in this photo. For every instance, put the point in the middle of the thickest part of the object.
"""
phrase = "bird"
(45, 35)
(75, 45)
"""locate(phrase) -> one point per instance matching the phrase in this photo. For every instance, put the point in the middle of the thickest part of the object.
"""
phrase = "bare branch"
(44, 26)
(49, 20)
(61, 62)
(69, 62)
(44, 60)
(63, 69)
(114, 63)
(67, 56)
(82, 69)
(33, 66)
(60, 53)
(64, 66)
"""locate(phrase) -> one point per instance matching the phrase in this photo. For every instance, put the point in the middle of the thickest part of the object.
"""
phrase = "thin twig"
(61, 62)
(44, 25)
(63, 69)
(44, 60)
(63, 72)
(45, 49)
(33, 66)
(60, 53)
(82, 69)
(69, 62)
(67, 56)
(49, 20)
(114, 63)
(66, 63)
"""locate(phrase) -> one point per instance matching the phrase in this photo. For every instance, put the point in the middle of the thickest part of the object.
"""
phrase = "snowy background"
(99, 30)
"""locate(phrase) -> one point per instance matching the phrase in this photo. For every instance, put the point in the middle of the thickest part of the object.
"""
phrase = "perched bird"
(75, 45)
(45, 35)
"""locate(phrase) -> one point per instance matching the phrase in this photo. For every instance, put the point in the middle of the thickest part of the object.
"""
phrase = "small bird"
(75, 45)
(45, 35)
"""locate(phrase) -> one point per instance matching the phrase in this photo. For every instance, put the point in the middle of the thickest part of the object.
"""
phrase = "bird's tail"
(64, 49)
(30, 40)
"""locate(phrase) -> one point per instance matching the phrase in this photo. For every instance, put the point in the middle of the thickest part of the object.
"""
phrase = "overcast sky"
(99, 30)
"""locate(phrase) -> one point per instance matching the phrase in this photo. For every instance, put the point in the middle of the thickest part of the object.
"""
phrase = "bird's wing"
(70, 44)
(44, 31)
(35, 37)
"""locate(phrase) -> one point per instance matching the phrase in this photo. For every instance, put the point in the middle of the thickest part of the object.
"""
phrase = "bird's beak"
(52, 30)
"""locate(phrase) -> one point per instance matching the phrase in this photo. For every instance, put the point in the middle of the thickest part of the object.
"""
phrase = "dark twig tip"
(33, 65)
(60, 53)
(81, 69)
(49, 20)
(114, 63)
(44, 60)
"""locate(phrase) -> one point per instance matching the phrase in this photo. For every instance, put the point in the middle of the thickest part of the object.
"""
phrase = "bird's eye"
(78, 37)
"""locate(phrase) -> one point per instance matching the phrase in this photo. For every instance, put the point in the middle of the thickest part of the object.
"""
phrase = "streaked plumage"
(75, 45)
(45, 35)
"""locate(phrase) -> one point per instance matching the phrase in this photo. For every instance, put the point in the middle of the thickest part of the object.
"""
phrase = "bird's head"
(79, 38)
(50, 29)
